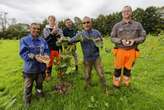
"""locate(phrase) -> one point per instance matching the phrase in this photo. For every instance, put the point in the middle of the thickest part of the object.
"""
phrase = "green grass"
(146, 92)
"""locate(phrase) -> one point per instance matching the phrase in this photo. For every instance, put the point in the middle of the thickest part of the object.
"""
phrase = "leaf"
(106, 104)
(92, 99)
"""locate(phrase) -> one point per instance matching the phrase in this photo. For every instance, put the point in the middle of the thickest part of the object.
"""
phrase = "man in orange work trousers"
(126, 35)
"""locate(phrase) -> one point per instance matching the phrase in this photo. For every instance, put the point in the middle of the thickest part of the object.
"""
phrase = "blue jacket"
(30, 47)
(90, 51)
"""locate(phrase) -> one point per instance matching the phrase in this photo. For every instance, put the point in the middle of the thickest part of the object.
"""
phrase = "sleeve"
(47, 35)
(24, 51)
(142, 35)
(60, 32)
(46, 49)
(64, 32)
(76, 38)
(114, 37)
(99, 35)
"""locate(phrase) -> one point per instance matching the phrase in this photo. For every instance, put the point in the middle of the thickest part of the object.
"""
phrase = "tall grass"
(146, 92)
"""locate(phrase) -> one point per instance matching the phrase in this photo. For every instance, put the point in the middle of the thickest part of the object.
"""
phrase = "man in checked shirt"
(126, 35)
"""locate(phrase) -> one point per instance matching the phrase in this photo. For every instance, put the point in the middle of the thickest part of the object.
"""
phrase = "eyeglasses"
(86, 22)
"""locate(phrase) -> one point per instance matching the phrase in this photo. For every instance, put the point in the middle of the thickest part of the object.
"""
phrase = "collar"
(31, 38)
(89, 31)
(70, 28)
(123, 22)
(48, 26)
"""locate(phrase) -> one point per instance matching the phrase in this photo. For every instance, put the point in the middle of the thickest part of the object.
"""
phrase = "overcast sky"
(28, 11)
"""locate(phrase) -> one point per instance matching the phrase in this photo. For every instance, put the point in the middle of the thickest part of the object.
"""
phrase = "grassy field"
(146, 92)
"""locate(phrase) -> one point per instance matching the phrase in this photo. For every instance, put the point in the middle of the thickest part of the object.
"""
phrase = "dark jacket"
(52, 38)
(69, 32)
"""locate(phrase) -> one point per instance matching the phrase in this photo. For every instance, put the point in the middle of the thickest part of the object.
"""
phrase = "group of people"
(126, 35)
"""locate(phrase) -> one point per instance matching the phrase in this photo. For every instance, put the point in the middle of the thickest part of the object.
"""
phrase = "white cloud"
(36, 10)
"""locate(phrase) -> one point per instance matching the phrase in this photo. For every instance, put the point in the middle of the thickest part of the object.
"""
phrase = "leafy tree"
(61, 24)
(44, 23)
(138, 15)
(151, 20)
(16, 31)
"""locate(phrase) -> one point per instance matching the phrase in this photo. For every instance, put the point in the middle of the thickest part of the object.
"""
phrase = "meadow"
(145, 93)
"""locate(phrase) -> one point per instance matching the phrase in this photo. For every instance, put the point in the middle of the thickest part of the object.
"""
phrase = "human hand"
(38, 58)
(54, 30)
(98, 39)
(126, 42)
(131, 42)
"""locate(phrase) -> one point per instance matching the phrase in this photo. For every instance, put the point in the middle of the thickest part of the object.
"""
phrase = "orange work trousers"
(124, 58)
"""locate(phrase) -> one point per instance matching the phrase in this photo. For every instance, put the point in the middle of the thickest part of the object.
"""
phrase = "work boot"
(126, 80)
(116, 81)
(39, 93)
(88, 84)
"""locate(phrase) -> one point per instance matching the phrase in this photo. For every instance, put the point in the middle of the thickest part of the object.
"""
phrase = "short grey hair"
(127, 6)
(86, 17)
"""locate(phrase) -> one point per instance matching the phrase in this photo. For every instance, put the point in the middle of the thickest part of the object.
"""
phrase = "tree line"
(152, 19)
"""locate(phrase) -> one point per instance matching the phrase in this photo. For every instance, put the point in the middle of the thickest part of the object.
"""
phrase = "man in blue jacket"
(91, 54)
(32, 47)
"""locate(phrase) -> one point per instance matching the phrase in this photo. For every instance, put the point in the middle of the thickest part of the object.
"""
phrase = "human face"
(52, 22)
(126, 13)
(35, 30)
(87, 24)
(68, 24)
